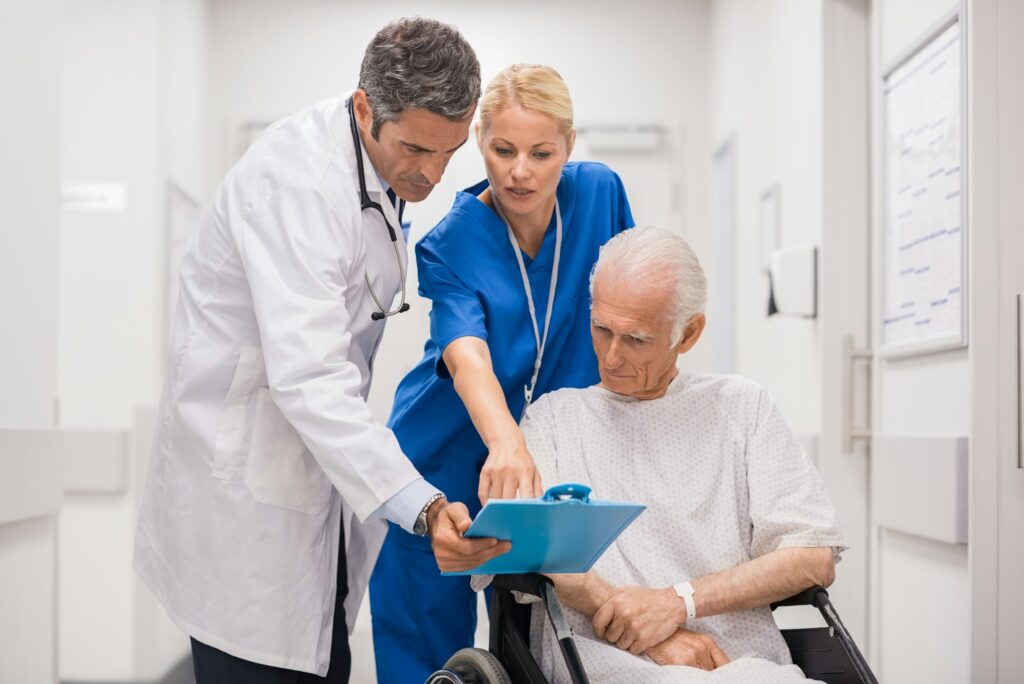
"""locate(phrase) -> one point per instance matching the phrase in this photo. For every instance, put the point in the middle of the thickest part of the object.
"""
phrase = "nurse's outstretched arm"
(509, 467)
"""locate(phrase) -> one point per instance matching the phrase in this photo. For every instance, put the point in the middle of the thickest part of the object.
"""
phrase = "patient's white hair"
(655, 259)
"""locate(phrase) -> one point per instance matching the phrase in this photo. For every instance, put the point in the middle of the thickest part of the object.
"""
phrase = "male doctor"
(270, 481)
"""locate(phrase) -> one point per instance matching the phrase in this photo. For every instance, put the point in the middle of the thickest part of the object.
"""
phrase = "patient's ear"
(692, 333)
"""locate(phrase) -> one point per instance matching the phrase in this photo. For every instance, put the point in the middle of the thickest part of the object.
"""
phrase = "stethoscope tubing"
(366, 203)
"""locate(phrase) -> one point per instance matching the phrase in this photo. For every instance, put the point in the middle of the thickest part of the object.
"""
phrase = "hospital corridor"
(439, 342)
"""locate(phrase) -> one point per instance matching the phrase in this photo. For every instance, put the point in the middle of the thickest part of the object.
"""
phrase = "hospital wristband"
(685, 591)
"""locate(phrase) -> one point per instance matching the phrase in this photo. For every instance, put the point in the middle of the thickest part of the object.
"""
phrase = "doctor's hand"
(447, 522)
(509, 468)
(635, 619)
(692, 649)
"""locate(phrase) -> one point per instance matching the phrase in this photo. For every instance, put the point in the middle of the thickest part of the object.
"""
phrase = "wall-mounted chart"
(923, 304)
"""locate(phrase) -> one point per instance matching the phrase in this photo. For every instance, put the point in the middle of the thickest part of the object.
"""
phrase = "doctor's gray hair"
(416, 63)
(654, 259)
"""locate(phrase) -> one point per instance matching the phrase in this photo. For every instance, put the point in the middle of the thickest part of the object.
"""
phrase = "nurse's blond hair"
(531, 86)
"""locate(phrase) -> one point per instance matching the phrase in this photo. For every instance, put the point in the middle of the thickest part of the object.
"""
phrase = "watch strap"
(420, 527)
(685, 591)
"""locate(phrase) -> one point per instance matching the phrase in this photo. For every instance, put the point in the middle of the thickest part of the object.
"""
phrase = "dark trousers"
(217, 667)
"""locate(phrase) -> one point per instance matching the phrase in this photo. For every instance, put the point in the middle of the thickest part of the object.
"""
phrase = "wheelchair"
(827, 654)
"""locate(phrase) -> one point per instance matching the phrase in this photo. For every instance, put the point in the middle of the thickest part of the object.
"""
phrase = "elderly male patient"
(734, 506)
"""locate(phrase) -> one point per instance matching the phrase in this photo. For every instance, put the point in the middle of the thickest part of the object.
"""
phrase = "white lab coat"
(263, 420)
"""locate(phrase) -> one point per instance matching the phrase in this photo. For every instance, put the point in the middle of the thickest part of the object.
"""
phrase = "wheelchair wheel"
(476, 666)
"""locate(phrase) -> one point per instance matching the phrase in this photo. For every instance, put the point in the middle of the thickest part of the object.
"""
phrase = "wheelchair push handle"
(568, 492)
(807, 597)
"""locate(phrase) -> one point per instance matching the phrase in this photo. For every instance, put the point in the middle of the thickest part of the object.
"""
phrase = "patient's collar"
(674, 386)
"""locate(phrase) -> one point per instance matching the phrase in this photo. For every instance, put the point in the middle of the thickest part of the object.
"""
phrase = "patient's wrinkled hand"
(636, 619)
(688, 648)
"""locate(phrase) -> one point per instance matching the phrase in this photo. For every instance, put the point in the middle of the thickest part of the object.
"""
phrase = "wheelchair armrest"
(807, 597)
(527, 583)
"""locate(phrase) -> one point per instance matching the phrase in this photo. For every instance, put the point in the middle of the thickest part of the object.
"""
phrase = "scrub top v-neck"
(468, 269)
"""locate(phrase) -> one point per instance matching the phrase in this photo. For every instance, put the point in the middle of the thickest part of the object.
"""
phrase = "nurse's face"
(632, 331)
(524, 153)
(411, 153)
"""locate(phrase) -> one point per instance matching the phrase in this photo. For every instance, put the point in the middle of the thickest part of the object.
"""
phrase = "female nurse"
(507, 272)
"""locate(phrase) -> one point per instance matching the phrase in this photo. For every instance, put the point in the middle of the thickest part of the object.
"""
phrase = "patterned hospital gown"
(724, 481)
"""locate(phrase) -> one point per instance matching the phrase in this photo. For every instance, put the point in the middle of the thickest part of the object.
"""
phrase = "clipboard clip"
(568, 492)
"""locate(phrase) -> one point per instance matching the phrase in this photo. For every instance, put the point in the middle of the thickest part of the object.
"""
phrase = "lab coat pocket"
(234, 427)
(281, 471)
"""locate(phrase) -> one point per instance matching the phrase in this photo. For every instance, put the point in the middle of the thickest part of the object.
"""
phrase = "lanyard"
(541, 341)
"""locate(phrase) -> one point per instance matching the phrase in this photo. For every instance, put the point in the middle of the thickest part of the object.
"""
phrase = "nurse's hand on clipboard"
(509, 468)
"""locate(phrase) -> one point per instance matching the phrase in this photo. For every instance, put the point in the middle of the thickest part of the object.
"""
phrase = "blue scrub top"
(468, 269)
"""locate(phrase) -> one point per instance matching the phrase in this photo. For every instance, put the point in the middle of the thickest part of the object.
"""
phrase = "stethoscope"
(366, 203)
(528, 390)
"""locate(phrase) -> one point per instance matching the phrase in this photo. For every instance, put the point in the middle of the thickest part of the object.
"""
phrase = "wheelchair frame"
(828, 654)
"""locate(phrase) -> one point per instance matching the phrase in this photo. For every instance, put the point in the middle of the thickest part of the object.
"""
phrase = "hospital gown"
(724, 481)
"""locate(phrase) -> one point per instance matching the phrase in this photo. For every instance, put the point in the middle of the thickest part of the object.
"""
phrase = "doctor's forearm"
(772, 577)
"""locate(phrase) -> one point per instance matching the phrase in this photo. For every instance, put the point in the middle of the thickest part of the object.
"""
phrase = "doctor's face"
(632, 331)
(412, 153)
(524, 153)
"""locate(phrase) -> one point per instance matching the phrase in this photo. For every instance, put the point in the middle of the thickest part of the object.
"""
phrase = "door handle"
(849, 355)
(1020, 380)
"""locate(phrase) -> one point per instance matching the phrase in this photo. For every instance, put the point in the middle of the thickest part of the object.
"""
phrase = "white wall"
(30, 79)
(108, 347)
(269, 59)
(134, 108)
(28, 567)
(766, 95)
(30, 51)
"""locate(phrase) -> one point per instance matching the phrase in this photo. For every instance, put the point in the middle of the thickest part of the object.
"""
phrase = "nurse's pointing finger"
(484, 490)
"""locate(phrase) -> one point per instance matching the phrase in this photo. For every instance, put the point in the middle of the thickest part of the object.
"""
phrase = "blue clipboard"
(563, 531)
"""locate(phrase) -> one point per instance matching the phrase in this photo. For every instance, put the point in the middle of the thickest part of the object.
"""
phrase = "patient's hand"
(692, 649)
(636, 619)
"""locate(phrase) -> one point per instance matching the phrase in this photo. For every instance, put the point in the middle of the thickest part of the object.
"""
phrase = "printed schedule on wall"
(923, 258)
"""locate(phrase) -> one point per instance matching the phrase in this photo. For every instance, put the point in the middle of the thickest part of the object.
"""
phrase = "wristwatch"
(420, 526)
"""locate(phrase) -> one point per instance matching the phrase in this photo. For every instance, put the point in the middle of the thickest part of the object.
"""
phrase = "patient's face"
(632, 334)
